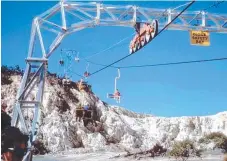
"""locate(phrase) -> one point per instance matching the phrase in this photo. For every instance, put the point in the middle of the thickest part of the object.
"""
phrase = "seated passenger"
(86, 74)
(117, 93)
(134, 41)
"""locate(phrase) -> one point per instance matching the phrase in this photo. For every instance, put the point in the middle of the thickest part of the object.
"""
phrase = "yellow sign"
(201, 38)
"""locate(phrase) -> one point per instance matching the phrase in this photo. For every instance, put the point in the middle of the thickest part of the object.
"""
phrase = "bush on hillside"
(6, 72)
(5, 75)
(157, 150)
(218, 138)
(39, 148)
(183, 149)
(11, 70)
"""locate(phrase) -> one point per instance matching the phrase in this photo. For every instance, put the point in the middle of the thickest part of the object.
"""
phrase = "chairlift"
(116, 95)
(86, 73)
(61, 62)
(77, 59)
(144, 35)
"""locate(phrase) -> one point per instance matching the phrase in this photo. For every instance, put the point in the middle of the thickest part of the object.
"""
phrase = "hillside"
(117, 128)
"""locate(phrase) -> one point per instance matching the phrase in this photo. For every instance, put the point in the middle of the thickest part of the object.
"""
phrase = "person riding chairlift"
(86, 74)
(117, 93)
(135, 41)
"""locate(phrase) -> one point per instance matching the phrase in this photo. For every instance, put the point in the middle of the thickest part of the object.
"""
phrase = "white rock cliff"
(60, 131)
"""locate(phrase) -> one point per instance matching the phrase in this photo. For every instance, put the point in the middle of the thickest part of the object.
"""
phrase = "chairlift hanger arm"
(116, 78)
(87, 67)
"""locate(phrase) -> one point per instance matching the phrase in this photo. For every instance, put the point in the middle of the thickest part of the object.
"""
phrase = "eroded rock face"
(60, 131)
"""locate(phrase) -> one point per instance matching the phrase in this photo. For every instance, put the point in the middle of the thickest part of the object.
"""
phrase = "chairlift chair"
(61, 62)
(144, 35)
(116, 95)
(77, 59)
(86, 73)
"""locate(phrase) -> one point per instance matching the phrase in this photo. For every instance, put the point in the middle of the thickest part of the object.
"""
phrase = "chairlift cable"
(166, 64)
(175, 63)
(79, 75)
(215, 4)
(110, 47)
(151, 40)
(120, 41)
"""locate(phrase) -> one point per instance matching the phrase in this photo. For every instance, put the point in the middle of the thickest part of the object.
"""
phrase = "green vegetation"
(183, 149)
(219, 139)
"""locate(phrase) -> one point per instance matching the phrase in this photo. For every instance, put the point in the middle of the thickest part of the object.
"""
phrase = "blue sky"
(177, 90)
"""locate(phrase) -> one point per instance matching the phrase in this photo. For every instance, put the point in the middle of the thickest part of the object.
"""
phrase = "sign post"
(201, 38)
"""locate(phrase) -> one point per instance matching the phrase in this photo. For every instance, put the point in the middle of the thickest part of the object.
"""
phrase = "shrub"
(71, 96)
(218, 138)
(183, 149)
(111, 140)
(62, 105)
(39, 148)
(6, 72)
(215, 135)
(157, 150)
(5, 75)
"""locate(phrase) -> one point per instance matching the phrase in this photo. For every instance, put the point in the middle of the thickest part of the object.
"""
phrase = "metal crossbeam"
(114, 16)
